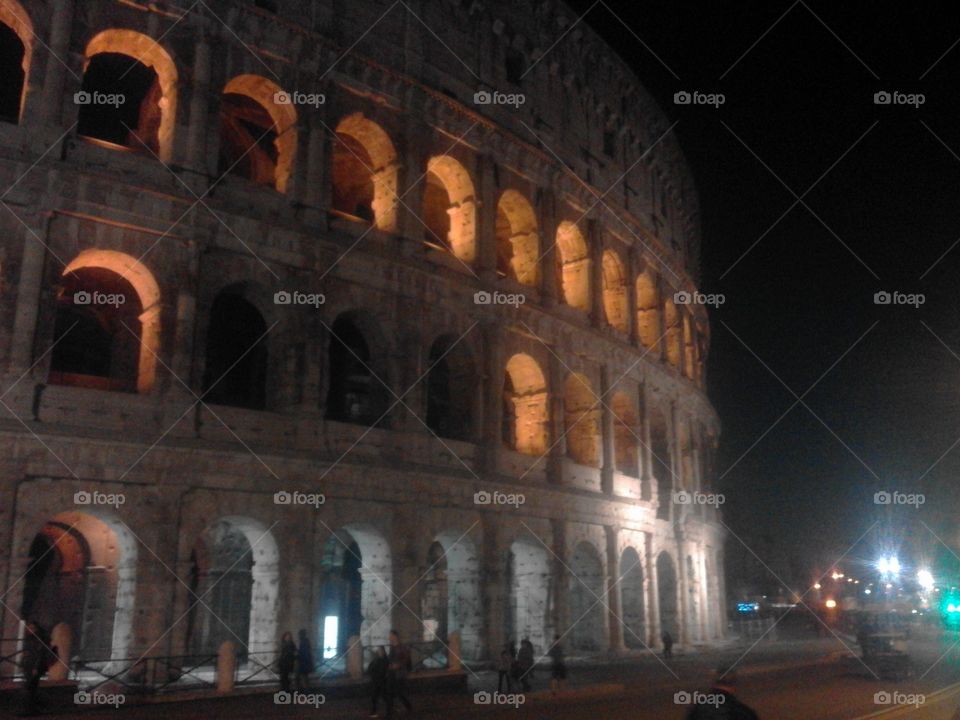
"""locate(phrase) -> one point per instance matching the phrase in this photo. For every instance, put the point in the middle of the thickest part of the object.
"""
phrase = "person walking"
(505, 669)
(667, 639)
(377, 670)
(36, 659)
(287, 661)
(398, 666)
(558, 666)
(526, 661)
(727, 708)
(304, 661)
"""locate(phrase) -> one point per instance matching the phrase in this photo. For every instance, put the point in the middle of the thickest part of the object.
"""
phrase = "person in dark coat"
(287, 661)
(304, 661)
(667, 640)
(36, 659)
(505, 669)
(377, 670)
(724, 685)
(558, 666)
(526, 661)
(398, 665)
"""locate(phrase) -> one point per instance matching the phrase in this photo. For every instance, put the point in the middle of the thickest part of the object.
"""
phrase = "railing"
(424, 655)
(256, 671)
(10, 663)
(147, 675)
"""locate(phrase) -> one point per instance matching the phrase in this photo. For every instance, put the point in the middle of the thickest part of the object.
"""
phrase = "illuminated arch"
(518, 241)
(648, 309)
(573, 262)
(673, 332)
(142, 280)
(585, 588)
(450, 208)
(525, 413)
(615, 291)
(149, 52)
(581, 412)
(365, 171)
(275, 101)
(16, 18)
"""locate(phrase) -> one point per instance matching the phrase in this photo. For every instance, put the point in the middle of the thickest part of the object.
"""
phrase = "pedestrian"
(287, 661)
(304, 661)
(558, 667)
(377, 670)
(667, 640)
(721, 702)
(36, 659)
(526, 661)
(399, 664)
(505, 669)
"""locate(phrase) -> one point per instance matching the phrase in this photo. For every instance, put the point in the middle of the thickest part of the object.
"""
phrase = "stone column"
(486, 198)
(186, 323)
(595, 250)
(28, 291)
(556, 441)
(198, 159)
(614, 590)
(58, 58)
(495, 595)
(652, 606)
(316, 175)
(608, 460)
(406, 572)
(411, 185)
(683, 586)
(561, 619)
(491, 423)
(548, 221)
(647, 479)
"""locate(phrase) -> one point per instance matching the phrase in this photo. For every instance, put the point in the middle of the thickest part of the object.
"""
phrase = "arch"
(630, 582)
(365, 172)
(581, 420)
(518, 240)
(587, 603)
(667, 597)
(450, 208)
(525, 411)
(648, 309)
(529, 583)
(237, 357)
(234, 589)
(108, 323)
(355, 591)
(625, 435)
(450, 598)
(573, 265)
(16, 54)
(82, 572)
(673, 332)
(452, 383)
(157, 106)
(357, 365)
(615, 306)
(258, 131)
(661, 461)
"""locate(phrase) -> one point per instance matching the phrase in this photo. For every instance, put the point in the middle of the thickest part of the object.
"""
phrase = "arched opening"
(667, 595)
(451, 388)
(631, 599)
(258, 131)
(587, 604)
(449, 208)
(237, 358)
(450, 596)
(129, 92)
(673, 332)
(234, 590)
(16, 50)
(518, 241)
(573, 266)
(356, 394)
(107, 324)
(662, 465)
(648, 309)
(82, 572)
(581, 420)
(365, 172)
(525, 410)
(614, 291)
(625, 435)
(355, 592)
(529, 583)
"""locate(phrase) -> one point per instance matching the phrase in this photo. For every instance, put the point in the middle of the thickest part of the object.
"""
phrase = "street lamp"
(925, 580)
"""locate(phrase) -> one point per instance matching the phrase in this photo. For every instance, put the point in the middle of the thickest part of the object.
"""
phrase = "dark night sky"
(799, 299)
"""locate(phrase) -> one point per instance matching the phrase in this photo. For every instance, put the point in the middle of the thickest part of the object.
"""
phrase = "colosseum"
(346, 321)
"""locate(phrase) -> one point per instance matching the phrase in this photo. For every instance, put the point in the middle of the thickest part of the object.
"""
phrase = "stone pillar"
(54, 76)
(647, 479)
(406, 574)
(595, 250)
(683, 586)
(633, 270)
(652, 606)
(226, 667)
(491, 436)
(29, 290)
(614, 590)
(487, 194)
(608, 460)
(495, 595)
(560, 563)
(61, 637)
(354, 658)
(547, 220)
(186, 323)
(454, 659)
(412, 183)
(556, 442)
(198, 158)
(316, 176)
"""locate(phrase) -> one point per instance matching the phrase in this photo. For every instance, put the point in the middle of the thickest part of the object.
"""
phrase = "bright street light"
(925, 579)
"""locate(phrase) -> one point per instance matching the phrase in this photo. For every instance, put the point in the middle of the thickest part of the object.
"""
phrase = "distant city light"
(831, 603)
(867, 591)
(925, 579)
(816, 586)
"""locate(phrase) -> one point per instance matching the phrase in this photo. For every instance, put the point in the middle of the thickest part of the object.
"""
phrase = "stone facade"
(160, 456)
